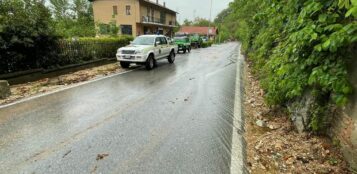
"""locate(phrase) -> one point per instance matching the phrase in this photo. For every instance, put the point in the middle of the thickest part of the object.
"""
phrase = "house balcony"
(156, 21)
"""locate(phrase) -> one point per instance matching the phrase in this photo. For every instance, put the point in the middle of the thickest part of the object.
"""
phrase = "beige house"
(136, 17)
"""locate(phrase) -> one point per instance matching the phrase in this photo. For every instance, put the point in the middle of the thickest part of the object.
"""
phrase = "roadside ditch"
(45, 85)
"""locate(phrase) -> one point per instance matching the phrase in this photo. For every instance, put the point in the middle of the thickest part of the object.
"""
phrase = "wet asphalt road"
(174, 119)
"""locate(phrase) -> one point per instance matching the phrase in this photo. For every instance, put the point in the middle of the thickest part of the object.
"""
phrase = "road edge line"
(238, 153)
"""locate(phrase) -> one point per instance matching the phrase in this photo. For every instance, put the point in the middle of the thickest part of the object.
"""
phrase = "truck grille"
(128, 51)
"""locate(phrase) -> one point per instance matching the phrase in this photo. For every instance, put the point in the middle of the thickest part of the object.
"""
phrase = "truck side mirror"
(157, 43)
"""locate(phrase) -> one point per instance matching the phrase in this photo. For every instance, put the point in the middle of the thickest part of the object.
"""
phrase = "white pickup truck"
(147, 50)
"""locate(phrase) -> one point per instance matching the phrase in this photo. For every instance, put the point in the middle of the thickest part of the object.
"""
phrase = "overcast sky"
(186, 8)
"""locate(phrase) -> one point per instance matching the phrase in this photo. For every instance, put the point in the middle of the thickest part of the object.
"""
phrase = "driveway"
(177, 118)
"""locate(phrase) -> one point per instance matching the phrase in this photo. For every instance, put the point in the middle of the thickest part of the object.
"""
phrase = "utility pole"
(219, 35)
(209, 22)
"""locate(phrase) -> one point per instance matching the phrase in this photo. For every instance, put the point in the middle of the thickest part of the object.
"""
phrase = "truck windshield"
(144, 41)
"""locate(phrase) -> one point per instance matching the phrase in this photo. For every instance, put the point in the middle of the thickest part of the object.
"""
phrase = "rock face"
(4, 89)
(300, 111)
(344, 127)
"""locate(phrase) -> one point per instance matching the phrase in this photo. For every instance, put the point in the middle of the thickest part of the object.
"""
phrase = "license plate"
(127, 57)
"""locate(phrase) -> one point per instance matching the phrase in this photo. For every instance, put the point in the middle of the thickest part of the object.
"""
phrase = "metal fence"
(64, 52)
(79, 51)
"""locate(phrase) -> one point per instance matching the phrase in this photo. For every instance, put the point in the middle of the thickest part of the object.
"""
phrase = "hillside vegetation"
(295, 46)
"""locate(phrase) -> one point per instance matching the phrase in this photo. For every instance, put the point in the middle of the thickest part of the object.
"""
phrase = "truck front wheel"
(124, 64)
(171, 57)
(150, 63)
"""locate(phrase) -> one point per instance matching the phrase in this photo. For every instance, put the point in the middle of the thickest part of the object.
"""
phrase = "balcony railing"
(149, 19)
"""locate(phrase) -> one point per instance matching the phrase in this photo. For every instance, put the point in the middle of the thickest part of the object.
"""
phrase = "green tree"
(178, 27)
(222, 15)
(202, 22)
(60, 8)
(27, 38)
(81, 8)
(73, 19)
(187, 22)
(199, 22)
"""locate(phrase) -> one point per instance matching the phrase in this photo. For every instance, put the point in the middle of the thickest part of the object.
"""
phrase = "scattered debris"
(50, 84)
(274, 146)
(68, 152)
(273, 126)
(94, 169)
(101, 156)
(192, 78)
(261, 123)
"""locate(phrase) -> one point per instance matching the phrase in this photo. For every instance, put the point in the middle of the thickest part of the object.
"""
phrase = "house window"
(162, 17)
(128, 10)
(115, 10)
(126, 29)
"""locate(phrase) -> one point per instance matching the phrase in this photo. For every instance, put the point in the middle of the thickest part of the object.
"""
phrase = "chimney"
(164, 4)
(157, 1)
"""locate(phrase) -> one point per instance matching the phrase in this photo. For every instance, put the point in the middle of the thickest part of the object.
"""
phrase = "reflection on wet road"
(174, 119)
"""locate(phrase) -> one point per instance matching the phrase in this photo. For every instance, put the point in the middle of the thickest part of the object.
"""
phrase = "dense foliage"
(297, 45)
(26, 37)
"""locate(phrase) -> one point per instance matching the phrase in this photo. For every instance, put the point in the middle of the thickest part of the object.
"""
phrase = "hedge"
(71, 51)
(67, 52)
(207, 44)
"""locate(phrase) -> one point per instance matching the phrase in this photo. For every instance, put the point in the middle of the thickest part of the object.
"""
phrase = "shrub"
(207, 44)
(110, 29)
